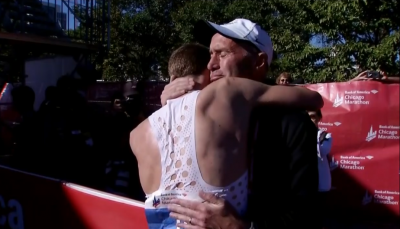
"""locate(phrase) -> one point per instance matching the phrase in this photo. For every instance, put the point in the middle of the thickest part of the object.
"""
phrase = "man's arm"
(300, 136)
(392, 79)
(257, 93)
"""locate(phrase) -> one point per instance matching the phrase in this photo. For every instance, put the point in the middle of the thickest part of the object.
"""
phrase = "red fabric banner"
(31, 201)
(363, 118)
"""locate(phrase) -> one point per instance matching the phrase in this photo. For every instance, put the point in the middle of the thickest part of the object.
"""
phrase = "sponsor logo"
(381, 197)
(338, 100)
(325, 125)
(353, 98)
(371, 135)
(337, 123)
(349, 162)
(387, 132)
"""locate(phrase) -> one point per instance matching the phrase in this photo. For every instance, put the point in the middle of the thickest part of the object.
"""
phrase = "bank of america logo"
(374, 91)
(371, 135)
(338, 100)
(337, 123)
(369, 157)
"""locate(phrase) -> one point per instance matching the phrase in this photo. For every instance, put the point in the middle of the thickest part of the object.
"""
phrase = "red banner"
(363, 118)
(31, 201)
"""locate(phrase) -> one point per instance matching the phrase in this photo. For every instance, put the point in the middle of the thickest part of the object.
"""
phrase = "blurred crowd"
(72, 139)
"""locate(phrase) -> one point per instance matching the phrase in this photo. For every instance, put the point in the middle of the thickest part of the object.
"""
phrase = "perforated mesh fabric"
(173, 126)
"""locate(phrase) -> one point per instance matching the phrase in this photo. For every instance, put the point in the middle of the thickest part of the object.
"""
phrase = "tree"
(320, 41)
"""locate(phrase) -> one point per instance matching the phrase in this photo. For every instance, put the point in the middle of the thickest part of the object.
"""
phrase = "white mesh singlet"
(174, 128)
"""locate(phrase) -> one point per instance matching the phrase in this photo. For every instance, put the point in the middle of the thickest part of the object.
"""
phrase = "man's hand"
(361, 77)
(212, 213)
(176, 88)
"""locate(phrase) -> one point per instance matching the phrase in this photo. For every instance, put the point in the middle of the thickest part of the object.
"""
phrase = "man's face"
(228, 59)
(118, 103)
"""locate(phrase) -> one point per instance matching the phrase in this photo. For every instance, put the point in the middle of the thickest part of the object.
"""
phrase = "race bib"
(157, 213)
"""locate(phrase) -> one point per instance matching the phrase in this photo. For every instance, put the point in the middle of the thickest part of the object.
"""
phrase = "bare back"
(221, 124)
(195, 130)
(221, 130)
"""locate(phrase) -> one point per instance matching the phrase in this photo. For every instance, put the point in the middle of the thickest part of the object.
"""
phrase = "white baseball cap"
(242, 29)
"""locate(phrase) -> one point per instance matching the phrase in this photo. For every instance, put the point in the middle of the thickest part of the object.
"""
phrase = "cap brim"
(205, 30)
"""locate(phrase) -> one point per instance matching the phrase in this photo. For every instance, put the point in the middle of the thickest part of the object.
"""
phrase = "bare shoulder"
(139, 137)
(218, 91)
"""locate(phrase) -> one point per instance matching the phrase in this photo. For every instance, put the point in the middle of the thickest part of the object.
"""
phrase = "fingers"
(193, 222)
(176, 209)
(185, 210)
(361, 76)
(180, 84)
(176, 89)
(185, 204)
(210, 197)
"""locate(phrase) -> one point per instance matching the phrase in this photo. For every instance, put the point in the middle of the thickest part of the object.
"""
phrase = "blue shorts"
(159, 219)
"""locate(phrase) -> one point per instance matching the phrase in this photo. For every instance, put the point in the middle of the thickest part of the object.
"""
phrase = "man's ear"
(262, 60)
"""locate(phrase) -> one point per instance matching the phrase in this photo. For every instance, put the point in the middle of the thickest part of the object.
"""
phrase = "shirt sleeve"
(299, 136)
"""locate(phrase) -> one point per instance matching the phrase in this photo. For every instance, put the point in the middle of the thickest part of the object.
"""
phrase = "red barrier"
(31, 201)
(363, 118)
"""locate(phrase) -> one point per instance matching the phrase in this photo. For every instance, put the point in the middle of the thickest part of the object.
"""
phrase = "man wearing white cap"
(284, 171)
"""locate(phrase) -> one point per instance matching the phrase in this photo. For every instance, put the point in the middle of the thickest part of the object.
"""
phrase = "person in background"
(284, 78)
(25, 130)
(50, 98)
(363, 76)
(324, 146)
(121, 171)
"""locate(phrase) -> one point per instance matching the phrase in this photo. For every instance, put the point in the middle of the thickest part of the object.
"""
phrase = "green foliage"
(320, 41)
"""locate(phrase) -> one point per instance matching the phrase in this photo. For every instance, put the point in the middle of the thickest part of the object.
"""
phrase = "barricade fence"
(363, 118)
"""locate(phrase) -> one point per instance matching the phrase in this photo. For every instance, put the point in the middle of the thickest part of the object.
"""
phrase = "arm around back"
(258, 94)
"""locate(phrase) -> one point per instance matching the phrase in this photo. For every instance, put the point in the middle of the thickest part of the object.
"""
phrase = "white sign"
(387, 132)
(353, 98)
(349, 162)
